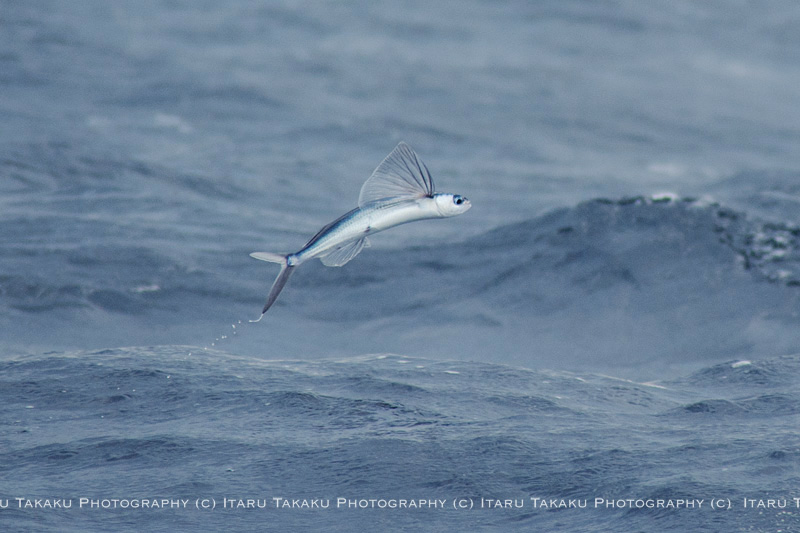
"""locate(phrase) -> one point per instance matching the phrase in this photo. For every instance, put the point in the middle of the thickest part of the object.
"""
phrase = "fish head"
(450, 205)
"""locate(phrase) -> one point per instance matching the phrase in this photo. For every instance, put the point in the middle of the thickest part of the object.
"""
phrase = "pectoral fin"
(342, 255)
(401, 175)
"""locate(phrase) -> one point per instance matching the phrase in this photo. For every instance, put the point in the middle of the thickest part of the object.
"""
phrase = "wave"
(388, 426)
(637, 282)
(629, 244)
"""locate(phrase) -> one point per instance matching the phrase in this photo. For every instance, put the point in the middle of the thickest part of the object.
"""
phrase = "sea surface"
(609, 340)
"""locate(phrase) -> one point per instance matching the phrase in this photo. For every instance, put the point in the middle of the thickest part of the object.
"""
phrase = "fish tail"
(280, 281)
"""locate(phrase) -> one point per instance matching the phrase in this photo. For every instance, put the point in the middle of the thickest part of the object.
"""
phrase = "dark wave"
(636, 281)
(634, 243)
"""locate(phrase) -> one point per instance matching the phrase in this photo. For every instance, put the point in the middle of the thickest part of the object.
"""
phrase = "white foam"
(146, 288)
(665, 197)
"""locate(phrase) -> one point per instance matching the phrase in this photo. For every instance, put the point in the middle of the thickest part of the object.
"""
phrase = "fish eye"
(458, 200)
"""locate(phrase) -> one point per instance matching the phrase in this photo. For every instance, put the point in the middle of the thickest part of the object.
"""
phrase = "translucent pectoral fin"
(401, 175)
(342, 255)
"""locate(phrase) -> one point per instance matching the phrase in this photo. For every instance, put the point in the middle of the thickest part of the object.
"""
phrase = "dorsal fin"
(401, 176)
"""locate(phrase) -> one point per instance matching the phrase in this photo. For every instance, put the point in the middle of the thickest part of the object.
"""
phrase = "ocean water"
(607, 341)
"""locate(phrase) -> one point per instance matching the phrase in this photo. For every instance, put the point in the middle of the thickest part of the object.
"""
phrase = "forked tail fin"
(280, 281)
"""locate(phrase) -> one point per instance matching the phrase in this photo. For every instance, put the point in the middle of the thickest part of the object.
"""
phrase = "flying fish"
(399, 191)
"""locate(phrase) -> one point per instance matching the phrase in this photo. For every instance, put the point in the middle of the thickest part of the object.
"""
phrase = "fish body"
(399, 191)
(364, 221)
